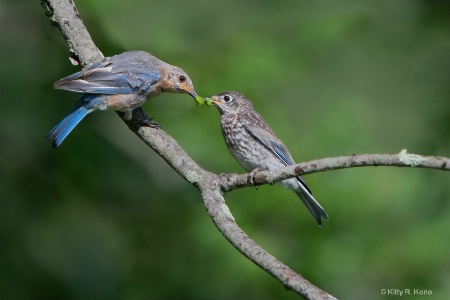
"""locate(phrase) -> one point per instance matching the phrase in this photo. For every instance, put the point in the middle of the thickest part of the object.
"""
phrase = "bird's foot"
(148, 122)
(251, 176)
(138, 118)
(223, 177)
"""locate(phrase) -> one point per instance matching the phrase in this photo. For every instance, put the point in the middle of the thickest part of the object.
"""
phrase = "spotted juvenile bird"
(122, 83)
(255, 146)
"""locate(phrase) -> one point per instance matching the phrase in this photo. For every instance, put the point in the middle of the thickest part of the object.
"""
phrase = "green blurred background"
(103, 217)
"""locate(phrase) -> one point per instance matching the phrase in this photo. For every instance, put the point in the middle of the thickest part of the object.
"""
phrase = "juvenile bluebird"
(255, 146)
(122, 83)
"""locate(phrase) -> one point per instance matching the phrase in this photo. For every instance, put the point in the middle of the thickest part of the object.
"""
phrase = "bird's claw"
(251, 176)
(147, 122)
(223, 179)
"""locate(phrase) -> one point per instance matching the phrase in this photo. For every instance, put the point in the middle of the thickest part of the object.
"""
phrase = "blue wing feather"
(112, 76)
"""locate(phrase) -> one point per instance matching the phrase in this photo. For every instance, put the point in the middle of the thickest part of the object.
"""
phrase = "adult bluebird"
(255, 146)
(122, 83)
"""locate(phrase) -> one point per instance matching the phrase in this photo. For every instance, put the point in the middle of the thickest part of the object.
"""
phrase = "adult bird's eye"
(182, 78)
(227, 98)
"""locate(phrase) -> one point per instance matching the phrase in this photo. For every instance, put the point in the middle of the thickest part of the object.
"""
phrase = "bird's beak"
(192, 93)
(189, 91)
(215, 101)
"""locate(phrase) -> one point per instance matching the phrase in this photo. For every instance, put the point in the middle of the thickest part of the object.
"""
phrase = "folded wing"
(112, 76)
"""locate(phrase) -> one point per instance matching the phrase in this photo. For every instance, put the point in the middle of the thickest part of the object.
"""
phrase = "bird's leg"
(251, 176)
(128, 115)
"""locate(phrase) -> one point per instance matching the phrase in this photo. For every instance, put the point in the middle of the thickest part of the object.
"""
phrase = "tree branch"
(402, 159)
(64, 15)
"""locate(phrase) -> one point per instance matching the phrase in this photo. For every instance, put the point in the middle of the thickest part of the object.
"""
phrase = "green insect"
(203, 101)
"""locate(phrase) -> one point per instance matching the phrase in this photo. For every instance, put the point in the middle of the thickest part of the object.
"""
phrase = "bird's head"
(176, 80)
(231, 102)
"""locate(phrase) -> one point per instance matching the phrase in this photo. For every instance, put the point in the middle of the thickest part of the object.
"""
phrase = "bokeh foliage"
(103, 217)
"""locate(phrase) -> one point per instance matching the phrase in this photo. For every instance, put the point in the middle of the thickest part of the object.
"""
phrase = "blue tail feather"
(62, 130)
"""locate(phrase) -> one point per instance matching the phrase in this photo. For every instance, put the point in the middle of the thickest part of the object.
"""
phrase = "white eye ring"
(227, 98)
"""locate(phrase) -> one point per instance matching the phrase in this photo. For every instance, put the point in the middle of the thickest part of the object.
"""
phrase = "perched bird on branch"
(255, 146)
(122, 83)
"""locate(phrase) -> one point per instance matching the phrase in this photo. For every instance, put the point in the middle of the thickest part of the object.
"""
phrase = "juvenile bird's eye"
(182, 78)
(227, 98)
